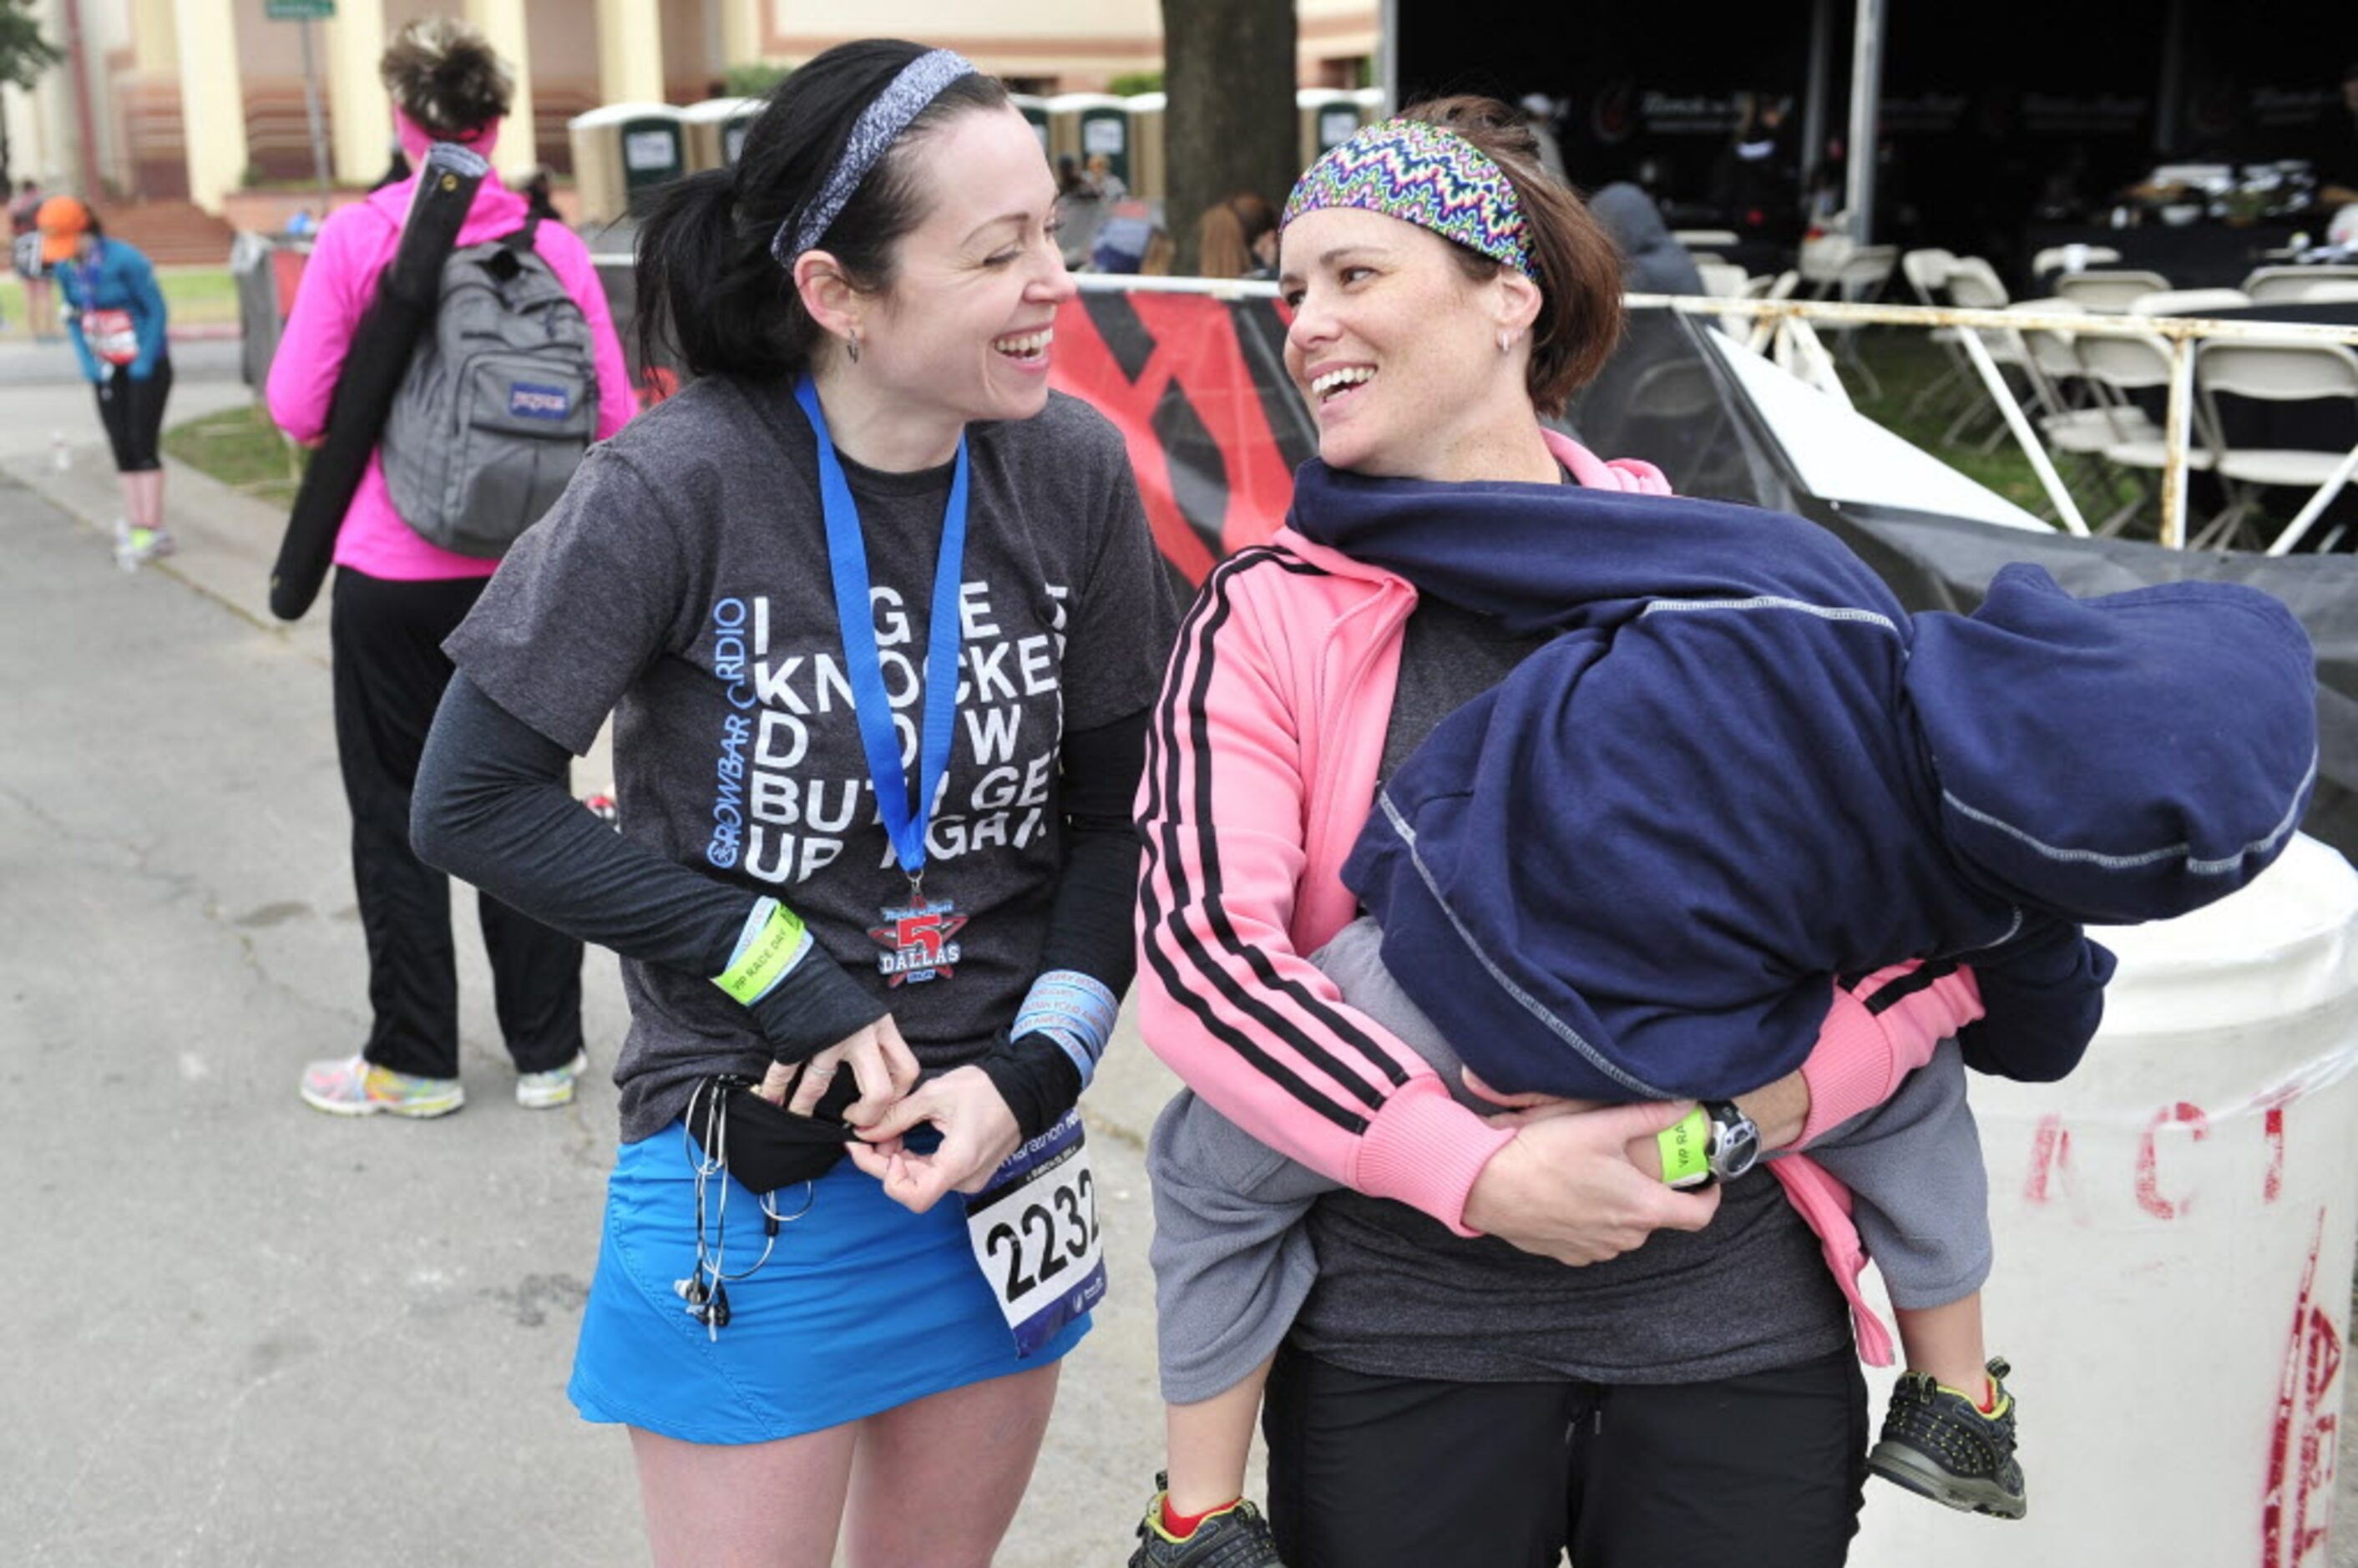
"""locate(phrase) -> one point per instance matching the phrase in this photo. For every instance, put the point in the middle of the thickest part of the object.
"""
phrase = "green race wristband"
(763, 961)
(1686, 1149)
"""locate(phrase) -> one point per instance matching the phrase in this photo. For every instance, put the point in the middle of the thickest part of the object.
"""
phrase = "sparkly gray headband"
(879, 126)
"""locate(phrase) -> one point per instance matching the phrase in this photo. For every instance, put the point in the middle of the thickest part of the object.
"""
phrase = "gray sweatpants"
(1233, 1262)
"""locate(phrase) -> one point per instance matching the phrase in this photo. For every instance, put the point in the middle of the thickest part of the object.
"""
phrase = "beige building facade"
(195, 99)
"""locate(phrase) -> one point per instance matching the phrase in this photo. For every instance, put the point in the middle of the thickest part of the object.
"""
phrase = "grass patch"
(193, 296)
(198, 294)
(243, 449)
(1907, 362)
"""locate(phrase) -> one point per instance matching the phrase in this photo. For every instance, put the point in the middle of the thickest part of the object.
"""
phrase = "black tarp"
(374, 367)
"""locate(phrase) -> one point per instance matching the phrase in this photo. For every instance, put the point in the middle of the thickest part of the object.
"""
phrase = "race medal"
(1034, 1231)
(919, 940)
(916, 935)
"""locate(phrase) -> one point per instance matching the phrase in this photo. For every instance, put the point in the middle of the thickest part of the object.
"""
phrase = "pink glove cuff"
(1425, 1150)
(1862, 1056)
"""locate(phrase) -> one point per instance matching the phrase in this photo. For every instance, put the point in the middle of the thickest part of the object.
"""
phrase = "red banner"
(1197, 387)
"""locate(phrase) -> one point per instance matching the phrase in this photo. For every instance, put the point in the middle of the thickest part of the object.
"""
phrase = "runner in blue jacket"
(115, 316)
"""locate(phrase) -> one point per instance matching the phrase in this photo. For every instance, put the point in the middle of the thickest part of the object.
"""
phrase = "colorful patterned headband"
(1424, 175)
(872, 134)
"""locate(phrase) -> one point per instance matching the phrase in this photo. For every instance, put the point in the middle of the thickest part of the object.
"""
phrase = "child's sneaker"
(1939, 1443)
(1235, 1537)
(354, 1086)
(546, 1091)
(134, 545)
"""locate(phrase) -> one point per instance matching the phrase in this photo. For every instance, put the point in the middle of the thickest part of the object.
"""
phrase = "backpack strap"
(522, 239)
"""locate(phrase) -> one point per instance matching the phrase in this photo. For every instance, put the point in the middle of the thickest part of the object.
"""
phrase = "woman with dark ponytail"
(878, 619)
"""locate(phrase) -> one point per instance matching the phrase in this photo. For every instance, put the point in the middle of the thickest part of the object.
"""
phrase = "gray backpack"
(499, 404)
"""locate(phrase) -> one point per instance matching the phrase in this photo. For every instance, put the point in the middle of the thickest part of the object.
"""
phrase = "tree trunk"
(1231, 126)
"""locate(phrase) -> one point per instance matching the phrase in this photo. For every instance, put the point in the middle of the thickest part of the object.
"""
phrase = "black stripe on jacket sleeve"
(1183, 700)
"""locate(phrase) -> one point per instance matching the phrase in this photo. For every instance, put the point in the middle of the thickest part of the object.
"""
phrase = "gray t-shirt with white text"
(682, 582)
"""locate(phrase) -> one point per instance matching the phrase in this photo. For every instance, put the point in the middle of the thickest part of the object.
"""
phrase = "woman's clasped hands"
(1577, 1182)
(978, 1131)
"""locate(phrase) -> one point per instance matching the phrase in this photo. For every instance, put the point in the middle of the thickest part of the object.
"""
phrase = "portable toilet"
(623, 153)
(716, 130)
(1150, 172)
(1034, 110)
(1087, 125)
(1329, 116)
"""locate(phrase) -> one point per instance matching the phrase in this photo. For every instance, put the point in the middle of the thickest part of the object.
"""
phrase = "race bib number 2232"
(1036, 1235)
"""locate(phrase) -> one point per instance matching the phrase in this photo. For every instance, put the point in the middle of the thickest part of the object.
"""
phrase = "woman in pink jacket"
(396, 598)
(1451, 1392)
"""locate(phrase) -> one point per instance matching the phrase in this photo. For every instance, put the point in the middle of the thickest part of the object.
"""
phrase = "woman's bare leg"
(147, 492)
(937, 1481)
(757, 1505)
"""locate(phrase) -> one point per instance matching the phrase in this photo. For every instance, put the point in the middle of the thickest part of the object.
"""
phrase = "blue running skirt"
(862, 1307)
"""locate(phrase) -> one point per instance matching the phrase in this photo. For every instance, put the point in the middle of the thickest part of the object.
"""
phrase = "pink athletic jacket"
(1261, 765)
(339, 282)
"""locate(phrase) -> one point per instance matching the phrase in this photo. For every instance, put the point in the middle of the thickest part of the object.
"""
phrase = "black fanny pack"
(767, 1146)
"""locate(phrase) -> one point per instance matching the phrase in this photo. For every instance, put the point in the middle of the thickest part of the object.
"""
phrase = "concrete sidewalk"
(240, 1332)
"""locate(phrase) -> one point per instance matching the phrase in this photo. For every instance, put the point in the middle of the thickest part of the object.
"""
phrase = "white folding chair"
(2278, 372)
(1723, 280)
(1973, 285)
(1820, 261)
(2108, 290)
(2123, 365)
(1927, 273)
(2188, 302)
(1862, 274)
(2076, 415)
(2072, 258)
(1764, 329)
(2280, 285)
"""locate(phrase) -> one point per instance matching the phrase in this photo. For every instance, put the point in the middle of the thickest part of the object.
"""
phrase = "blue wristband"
(1073, 1010)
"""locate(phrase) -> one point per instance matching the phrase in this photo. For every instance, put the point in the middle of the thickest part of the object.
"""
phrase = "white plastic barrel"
(2174, 1226)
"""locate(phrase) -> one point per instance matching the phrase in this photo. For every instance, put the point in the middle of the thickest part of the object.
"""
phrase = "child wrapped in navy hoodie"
(1737, 766)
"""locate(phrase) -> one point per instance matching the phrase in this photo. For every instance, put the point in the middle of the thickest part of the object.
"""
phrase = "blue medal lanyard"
(846, 559)
(87, 270)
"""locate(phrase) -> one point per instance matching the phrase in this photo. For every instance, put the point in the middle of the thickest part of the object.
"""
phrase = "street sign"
(299, 10)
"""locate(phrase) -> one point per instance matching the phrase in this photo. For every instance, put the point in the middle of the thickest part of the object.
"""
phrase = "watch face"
(1734, 1142)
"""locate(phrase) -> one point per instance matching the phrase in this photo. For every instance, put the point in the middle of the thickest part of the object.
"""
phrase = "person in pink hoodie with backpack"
(397, 596)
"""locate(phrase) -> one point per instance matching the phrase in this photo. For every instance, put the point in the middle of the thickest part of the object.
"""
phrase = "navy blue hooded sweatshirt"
(1739, 766)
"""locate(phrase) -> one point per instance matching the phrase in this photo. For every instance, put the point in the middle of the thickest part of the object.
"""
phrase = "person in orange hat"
(114, 314)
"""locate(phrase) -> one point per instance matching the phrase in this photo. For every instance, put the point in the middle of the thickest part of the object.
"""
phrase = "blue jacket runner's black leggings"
(132, 413)
(1766, 1469)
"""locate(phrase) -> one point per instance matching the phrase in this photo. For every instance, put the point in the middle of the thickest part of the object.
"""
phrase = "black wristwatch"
(1734, 1140)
